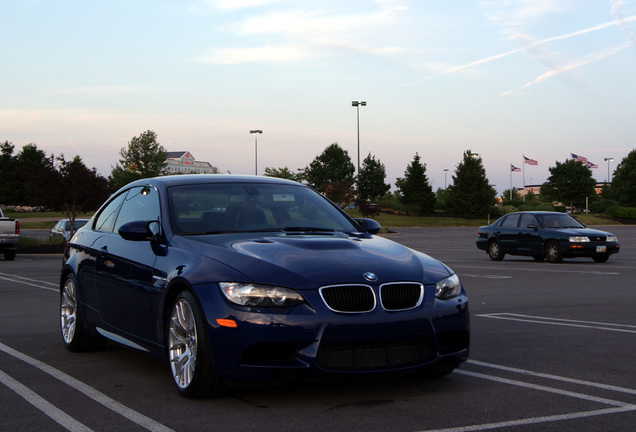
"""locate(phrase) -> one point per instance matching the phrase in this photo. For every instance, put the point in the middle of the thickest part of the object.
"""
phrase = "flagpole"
(523, 164)
(511, 181)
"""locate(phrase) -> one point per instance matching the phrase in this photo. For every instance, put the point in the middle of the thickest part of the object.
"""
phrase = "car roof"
(188, 179)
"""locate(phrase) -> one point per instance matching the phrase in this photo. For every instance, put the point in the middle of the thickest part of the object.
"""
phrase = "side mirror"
(139, 231)
(369, 225)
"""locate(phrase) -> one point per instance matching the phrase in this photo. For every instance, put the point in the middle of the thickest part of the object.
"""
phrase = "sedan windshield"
(217, 208)
(558, 221)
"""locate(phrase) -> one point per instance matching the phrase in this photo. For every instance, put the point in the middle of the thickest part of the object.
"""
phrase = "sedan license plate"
(601, 249)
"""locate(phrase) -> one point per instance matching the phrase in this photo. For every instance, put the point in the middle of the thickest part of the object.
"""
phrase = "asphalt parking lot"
(551, 350)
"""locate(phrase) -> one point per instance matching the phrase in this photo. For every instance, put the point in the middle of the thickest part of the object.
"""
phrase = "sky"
(501, 78)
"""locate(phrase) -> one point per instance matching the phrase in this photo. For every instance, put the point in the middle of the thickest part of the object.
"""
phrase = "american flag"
(578, 158)
(591, 165)
(530, 161)
(514, 168)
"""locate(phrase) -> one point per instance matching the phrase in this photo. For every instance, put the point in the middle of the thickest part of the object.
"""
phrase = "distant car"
(545, 235)
(232, 278)
(63, 228)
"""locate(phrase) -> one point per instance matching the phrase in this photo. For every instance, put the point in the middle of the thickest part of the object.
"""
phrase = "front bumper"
(311, 339)
(588, 249)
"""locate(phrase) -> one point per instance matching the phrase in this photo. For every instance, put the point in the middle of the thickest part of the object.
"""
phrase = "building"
(182, 162)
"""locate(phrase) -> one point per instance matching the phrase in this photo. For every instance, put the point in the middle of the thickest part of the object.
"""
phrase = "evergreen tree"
(471, 194)
(371, 179)
(414, 190)
(10, 184)
(331, 173)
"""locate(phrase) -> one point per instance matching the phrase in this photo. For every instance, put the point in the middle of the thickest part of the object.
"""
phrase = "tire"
(601, 258)
(188, 350)
(553, 252)
(494, 251)
(72, 324)
(9, 255)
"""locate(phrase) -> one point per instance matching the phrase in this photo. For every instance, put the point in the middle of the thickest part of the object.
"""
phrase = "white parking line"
(27, 281)
(43, 405)
(617, 406)
(538, 267)
(89, 391)
(623, 328)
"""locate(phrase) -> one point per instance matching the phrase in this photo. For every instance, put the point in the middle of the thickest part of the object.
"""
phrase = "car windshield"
(561, 220)
(217, 208)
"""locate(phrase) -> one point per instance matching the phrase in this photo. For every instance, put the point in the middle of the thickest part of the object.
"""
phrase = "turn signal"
(226, 323)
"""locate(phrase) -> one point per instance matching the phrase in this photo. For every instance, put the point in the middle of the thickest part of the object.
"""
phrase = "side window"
(141, 204)
(106, 219)
(527, 219)
(511, 221)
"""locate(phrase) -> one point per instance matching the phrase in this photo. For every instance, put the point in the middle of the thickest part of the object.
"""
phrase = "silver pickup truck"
(9, 236)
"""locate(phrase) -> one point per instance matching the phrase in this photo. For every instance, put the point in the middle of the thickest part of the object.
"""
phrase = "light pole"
(445, 172)
(358, 104)
(608, 160)
(256, 132)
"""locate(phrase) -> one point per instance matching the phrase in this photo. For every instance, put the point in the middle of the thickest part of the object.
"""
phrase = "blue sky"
(502, 78)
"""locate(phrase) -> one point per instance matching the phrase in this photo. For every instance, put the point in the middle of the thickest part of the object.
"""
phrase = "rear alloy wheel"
(494, 251)
(189, 350)
(553, 252)
(74, 334)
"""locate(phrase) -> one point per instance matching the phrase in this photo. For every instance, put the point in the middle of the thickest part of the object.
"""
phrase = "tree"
(78, 189)
(471, 194)
(284, 173)
(570, 182)
(10, 182)
(331, 173)
(143, 158)
(623, 187)
(371, 179)
(413, 189)
(511, 194)
(34, 168)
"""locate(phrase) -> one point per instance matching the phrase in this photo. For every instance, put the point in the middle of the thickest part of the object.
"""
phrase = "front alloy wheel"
(189, 350)
(553, 252)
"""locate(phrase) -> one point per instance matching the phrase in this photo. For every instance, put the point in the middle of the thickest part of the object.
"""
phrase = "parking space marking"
(43, 405)
(27, 281)
(537, 267)
(89, 391)
(616, 406)
(622, 328)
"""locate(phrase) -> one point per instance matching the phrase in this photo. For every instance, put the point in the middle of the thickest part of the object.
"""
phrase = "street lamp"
(608, 160)
(445, 172)
(255, 132)
(358, 104)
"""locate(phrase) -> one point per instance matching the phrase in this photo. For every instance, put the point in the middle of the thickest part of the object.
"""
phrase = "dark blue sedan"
(545, 235)
(232, 278)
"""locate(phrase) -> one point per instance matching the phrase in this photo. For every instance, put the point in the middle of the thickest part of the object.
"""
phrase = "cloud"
(528, 46)
(300, 33)
(590, 58)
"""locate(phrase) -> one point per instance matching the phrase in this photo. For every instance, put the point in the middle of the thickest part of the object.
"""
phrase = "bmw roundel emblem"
(371, 277)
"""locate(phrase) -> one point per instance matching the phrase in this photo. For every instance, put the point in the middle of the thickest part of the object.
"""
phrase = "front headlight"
(246, 294)
(612, 238)
(448, 288)
(579, 239)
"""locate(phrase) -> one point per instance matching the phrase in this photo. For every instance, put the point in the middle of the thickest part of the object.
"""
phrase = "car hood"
(589, 232)
(311, 260)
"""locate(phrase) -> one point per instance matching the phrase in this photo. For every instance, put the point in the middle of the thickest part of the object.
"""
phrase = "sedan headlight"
(246, 294)
(448, 288)
(579, 239)
(612, 238)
